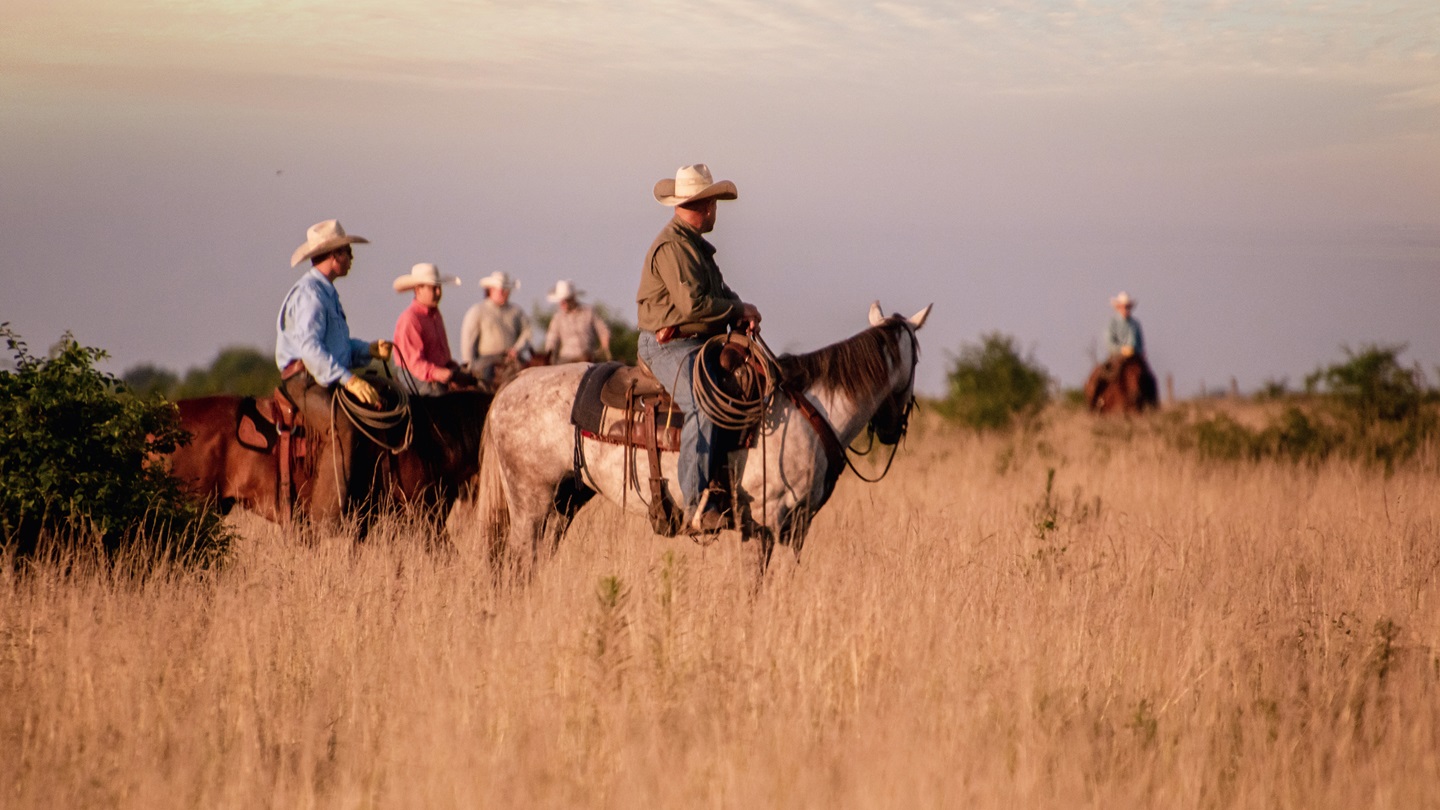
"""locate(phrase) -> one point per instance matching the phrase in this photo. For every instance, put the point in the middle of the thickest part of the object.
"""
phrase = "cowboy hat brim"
(493, 283)
(409, 282)
(308, 251)
(555, 298)
(722, 190)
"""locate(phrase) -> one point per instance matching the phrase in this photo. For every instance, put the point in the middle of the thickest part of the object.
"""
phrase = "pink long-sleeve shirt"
(421, 342)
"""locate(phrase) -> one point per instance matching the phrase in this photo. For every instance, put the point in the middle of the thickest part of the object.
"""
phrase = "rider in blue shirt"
(314, 351)
(1123, 337)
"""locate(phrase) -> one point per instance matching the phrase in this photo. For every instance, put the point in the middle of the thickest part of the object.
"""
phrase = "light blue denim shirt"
(1124, 332)
(312, 328)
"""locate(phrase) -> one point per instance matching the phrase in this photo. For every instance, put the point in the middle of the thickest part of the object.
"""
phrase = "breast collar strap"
(834, 450)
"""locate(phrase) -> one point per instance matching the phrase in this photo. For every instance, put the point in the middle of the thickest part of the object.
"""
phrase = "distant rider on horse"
(1124, 380)
(314, 351)
(495, 332)
(576, 334)
(426, 366)
(1123, 337)
(684, 300)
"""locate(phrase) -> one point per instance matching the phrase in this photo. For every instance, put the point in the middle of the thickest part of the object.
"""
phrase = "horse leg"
(794, 526)
(758, 561)
(570, 495)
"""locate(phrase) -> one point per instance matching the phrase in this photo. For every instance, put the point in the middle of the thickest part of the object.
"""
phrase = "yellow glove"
(1126, 351)
(363, 391)
(380, 349)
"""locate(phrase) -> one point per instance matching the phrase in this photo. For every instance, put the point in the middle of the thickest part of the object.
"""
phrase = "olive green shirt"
(681, 283)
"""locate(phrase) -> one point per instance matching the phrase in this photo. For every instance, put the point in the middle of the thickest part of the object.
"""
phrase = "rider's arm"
(305, 324)
(552, 333)
(410, 347)
(697, 296)
(523, 341)
(469, 335)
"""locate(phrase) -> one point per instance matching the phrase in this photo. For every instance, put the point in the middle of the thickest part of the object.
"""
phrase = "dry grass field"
(1149, 631)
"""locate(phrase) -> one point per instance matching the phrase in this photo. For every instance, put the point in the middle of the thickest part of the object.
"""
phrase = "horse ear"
(877, 317)
(918, 319)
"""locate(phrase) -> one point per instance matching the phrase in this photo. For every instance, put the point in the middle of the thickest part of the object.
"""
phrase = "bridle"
(891, 403)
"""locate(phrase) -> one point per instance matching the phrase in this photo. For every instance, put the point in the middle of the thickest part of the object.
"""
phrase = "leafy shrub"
(1372, 385)
(1368, 407)
(77, 460)
(992, 384)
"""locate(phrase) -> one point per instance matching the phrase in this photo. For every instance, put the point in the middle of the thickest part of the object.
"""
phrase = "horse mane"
(855, 366)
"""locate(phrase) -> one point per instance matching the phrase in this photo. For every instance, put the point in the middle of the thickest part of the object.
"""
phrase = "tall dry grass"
(1146, 631)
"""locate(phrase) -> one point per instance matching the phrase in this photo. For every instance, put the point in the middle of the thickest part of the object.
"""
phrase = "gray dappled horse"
(529, 488)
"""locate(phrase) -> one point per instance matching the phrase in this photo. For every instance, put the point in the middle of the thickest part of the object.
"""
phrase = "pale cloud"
(1014, 45)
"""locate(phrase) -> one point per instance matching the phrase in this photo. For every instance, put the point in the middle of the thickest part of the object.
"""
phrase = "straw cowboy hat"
(422, 273)
(499, 280)
(692, 184)
(1122, 300)
(564, 291)
(322, 238)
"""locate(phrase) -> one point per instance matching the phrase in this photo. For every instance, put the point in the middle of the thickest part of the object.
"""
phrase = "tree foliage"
(991, 384)
(1367, 407)
(1371, 384)
(77, 460)
(235, 370)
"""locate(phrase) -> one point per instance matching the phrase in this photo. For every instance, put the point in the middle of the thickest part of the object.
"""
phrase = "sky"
(1262, 177)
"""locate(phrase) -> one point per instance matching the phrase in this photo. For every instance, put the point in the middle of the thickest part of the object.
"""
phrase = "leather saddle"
(275, 426)
(626, 405)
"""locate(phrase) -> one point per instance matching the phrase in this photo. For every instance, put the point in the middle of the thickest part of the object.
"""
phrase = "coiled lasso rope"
(370, 421)
(744, 405)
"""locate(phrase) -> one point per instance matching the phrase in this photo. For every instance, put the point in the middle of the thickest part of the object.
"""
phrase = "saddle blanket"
(600, 408)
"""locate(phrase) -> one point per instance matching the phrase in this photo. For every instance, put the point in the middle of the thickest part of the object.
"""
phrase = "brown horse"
(1122, 386)
(232, 459)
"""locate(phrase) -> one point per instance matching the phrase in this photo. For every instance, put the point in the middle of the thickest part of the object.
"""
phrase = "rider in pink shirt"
(422, 350)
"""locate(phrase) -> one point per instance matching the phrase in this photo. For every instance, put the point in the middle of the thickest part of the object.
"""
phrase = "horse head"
(892, 418)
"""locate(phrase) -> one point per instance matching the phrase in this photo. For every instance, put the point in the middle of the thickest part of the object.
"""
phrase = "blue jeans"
(673, 363)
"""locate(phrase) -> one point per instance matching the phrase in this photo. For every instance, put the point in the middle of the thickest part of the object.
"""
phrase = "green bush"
(77, 461)
(991, 385)
(1368, 407)
(1372, 385)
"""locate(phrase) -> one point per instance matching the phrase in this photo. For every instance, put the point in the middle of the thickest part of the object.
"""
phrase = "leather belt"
(665, 334)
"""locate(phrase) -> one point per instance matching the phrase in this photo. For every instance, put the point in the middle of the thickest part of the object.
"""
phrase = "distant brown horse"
(1122, 386)
(232, 458)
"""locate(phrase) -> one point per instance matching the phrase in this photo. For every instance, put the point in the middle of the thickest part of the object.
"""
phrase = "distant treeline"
(251, 372)
(235, 370)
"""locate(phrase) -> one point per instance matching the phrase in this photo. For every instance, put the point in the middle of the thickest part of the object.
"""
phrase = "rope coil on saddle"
(739, 402)
(376, 423)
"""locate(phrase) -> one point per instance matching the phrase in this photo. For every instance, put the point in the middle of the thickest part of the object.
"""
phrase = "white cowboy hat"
(692, 184)
(1122, 300)
(564, 291)
(422, 273)
(324, 237)
(499, 280)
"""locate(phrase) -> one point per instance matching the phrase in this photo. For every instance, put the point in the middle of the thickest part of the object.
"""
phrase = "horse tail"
(493, 508)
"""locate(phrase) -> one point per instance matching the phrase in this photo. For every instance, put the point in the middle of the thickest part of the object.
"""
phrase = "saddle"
(275, 426)
(626, 405)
